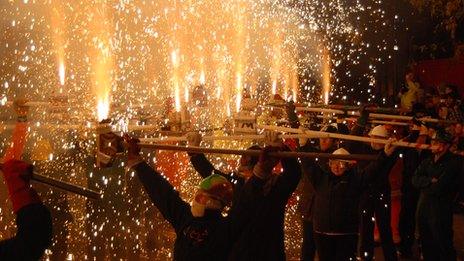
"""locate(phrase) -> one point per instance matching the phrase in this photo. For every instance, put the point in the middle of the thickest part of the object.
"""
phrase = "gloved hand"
(133, 151)
(266, 163)
(291, 114)
(17, 176)
(271, 138)
(21, 109)
(193, 139)
(389, 147)
(363, 116)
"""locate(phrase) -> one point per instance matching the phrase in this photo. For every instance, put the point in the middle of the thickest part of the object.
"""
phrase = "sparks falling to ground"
(122, 59)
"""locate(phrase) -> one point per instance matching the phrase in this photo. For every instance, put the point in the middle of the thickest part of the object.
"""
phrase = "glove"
(389, 148)
(271, 138)
(17, 175)
(193, 139)
(266, 163)
(133, 151)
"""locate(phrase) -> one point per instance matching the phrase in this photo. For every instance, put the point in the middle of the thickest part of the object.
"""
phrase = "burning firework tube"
(283, 154)
(88, 193)
(321, 134)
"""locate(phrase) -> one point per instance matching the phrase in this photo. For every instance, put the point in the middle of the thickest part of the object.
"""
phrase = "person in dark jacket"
(436, 178)
(202, 232)
(409, 194)
(268, 221)
(323, 145)
(335, 213)
(204, 167)
(33, 219)
(375, 204)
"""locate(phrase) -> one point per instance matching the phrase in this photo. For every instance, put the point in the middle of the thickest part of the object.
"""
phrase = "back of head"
(379, 131)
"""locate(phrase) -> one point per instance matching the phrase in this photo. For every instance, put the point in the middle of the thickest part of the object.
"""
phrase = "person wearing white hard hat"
(338, 189)
(306, 202)
(375, 204)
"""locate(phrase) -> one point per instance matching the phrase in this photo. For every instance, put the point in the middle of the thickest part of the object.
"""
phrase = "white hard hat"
(341, 151)
(379, 131)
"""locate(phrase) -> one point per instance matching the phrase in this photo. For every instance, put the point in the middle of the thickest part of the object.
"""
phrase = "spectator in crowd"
(411, 93)
(437, 179)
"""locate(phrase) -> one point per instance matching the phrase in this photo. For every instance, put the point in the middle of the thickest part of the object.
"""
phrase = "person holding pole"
(202, 231)
(409, 194)
(323, 145)
(268, 222)
(263, 237)
(375, 203)
(437, 179)
(33, 219)
(338, 191)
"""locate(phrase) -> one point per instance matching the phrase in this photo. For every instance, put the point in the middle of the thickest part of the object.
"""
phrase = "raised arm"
(386, 158)
(290, 177)
(202, 165)
(199, 161)
(163, 195)
(161, 192)
(311, 169)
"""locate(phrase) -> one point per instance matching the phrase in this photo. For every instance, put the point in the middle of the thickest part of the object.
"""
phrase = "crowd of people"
(240, 215)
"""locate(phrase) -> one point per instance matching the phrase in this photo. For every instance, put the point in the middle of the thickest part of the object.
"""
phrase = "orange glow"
(202, 77)
(274, 87)
(62, 73)
(102, 62)
(238, 99)
(175, 80)
(103, 108)
(326, 75)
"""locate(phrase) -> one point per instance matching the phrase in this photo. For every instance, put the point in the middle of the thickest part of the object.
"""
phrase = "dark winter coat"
(198, 238)
(336, 207)
(436, 199)
(307, 191)
(34, 224)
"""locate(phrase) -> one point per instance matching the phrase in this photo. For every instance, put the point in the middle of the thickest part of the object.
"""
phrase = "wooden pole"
(282, 154)
(321, 134)
(68, 187)
(374, 115)
(88, 193)
(212, 138)
(397, 123)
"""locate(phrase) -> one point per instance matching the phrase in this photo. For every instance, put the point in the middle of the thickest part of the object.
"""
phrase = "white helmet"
(379, 131)
(341, 151)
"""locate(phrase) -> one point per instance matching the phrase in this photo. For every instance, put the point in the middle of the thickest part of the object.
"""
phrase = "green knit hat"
(443, 136)
(217, 187)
